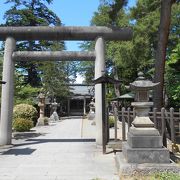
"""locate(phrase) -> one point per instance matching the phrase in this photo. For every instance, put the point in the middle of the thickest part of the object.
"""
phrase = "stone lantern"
(91, 114)
(54, 116)
(144, 143)
(41, 105)
(142, 106)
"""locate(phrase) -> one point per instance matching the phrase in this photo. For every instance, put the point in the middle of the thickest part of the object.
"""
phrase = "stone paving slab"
(89, 130)
(56, 152)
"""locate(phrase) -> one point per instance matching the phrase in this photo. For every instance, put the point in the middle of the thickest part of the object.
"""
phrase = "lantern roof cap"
(141, 83)
(2, 82)
(105, 78)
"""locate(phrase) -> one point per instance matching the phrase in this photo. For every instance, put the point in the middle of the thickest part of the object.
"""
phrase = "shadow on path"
(16, 152)
(26, 135)
(41, 141)
(28, 151)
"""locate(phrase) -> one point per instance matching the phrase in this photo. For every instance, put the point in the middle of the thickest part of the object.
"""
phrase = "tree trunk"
(165, 19)
(116, 86)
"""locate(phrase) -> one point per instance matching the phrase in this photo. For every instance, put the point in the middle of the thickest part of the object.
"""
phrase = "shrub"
(25, 111)
(21, 124)
(111, 121)
(46, 121)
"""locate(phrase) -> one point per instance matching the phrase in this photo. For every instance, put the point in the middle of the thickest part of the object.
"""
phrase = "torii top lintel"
(65, 33)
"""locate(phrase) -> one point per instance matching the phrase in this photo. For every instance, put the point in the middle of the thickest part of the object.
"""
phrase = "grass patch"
(155, 176)
(166, 176)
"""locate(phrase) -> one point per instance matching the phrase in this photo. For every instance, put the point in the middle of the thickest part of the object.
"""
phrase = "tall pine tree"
(163, 36)
(31, 13)
(51, 75)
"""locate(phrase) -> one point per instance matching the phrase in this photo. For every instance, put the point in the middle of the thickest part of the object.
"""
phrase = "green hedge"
(25, 111)
(21, 124)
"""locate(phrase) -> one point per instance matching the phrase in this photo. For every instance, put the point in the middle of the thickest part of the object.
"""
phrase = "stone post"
(41, 105)
(99, 71)
(7, 93)
(68, 107)
(84, 106)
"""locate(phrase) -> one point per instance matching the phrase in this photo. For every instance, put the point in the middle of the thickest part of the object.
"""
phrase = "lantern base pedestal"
(145, 155)
(40, 122)
(144, 144)
(91, 115)
(144, 141)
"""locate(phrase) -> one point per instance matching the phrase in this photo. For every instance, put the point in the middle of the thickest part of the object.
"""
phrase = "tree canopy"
(139, 54)
(32, 76)
(123, 59)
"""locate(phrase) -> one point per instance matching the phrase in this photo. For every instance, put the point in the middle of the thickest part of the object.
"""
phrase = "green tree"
(111, 13)
(24, 93)
(86, 68)
(146, 20)
(139, 54)
(30, 75)
(114, 8)
(54, 79)
(31, 13)
(163, 35)
(172, 78)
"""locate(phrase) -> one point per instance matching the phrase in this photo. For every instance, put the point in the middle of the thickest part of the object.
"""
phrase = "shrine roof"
(81, 90)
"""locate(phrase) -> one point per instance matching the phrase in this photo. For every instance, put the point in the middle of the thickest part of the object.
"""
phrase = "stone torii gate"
(12, 34)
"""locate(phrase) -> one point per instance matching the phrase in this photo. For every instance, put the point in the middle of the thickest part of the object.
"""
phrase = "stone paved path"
(57, 152)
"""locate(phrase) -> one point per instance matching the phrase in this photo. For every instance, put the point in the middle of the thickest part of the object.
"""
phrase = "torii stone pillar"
(99, 71)
(7, 93)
